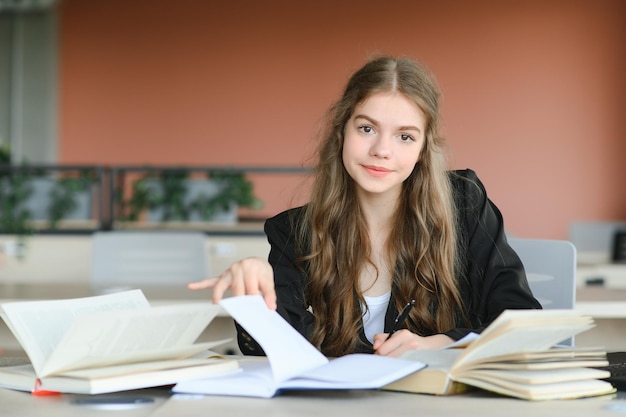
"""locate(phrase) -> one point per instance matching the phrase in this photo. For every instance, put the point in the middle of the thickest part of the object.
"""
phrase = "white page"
(40, 325)
(525, 330)
(356, 371)
(434, 358)
(463, 342)
(531, 338)
(254, 379)
(288, 352)
(292, 362)
(127, 336)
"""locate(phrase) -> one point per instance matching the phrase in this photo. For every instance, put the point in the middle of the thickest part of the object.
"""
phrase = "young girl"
(386, 224)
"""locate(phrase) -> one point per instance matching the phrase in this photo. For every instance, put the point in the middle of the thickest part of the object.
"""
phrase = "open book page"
(528, 317)
(39, 326)
(103, 339)
(355, 371)
(463, 342)
(524, 330)
(288, 352)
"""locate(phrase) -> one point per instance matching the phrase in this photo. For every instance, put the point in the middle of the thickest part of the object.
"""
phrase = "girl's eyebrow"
(376, 123)
(369, 119)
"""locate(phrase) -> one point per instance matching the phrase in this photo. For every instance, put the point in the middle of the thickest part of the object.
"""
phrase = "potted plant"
(30, 193)
(171, 195)
(70, 198)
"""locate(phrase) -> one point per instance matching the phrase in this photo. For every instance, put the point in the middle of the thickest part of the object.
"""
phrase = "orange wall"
(533, 90)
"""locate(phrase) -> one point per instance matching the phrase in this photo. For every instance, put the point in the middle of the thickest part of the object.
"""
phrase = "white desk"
(608, 308)
(379, 403)
(315, 404)
(22, 404)
(613, 275)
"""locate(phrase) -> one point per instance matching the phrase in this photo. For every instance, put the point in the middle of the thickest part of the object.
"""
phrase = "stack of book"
(518, 356)
(109, 343)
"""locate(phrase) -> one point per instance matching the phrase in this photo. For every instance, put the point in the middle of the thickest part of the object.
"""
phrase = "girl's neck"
(378, 214)
(375, 278)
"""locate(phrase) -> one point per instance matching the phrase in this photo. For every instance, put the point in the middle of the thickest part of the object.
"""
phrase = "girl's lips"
(375, 171)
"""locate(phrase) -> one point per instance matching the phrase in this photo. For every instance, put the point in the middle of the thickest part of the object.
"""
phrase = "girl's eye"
(366, 129)
(406, 138)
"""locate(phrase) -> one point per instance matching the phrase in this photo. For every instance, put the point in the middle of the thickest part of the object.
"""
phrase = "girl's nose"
(381, 148)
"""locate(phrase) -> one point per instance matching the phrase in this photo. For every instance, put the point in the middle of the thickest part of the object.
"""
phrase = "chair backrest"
(594, 240)
(551, 270)
(152, 258)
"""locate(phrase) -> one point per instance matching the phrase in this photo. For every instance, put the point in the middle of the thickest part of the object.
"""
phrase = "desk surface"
(601, 302)
(315, 403)
(379, 403)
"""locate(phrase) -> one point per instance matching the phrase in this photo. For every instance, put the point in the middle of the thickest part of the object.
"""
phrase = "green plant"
(234, 188)
(63, 196)
(167, 191)
(16, 187)
(14, 191)
(174, 188)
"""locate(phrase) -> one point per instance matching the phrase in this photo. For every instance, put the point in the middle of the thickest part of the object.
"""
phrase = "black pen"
(401, 317)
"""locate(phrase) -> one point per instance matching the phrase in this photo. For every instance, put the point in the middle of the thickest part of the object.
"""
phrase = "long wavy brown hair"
(422, 242)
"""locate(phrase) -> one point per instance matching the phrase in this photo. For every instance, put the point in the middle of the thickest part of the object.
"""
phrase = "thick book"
(109, 343)
(292, 363)
(518, 356)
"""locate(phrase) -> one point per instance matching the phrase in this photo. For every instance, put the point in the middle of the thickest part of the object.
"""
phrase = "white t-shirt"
(374, 314)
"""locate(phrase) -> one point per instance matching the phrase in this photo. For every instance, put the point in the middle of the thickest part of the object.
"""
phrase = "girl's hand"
(249, 276)
(404, 340)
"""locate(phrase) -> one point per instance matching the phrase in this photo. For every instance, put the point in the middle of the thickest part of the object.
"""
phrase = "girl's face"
(382, 143)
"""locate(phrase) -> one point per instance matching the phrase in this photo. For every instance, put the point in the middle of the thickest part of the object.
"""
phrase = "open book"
(109, 343)
(515, 356)
(292, 362)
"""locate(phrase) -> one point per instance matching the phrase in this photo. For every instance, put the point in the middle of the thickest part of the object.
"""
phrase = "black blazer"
(493, 278)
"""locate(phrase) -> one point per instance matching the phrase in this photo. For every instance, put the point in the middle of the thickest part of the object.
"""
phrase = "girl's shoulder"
(467, 188)
(285, 220)
(461, 176)
(287, 216)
